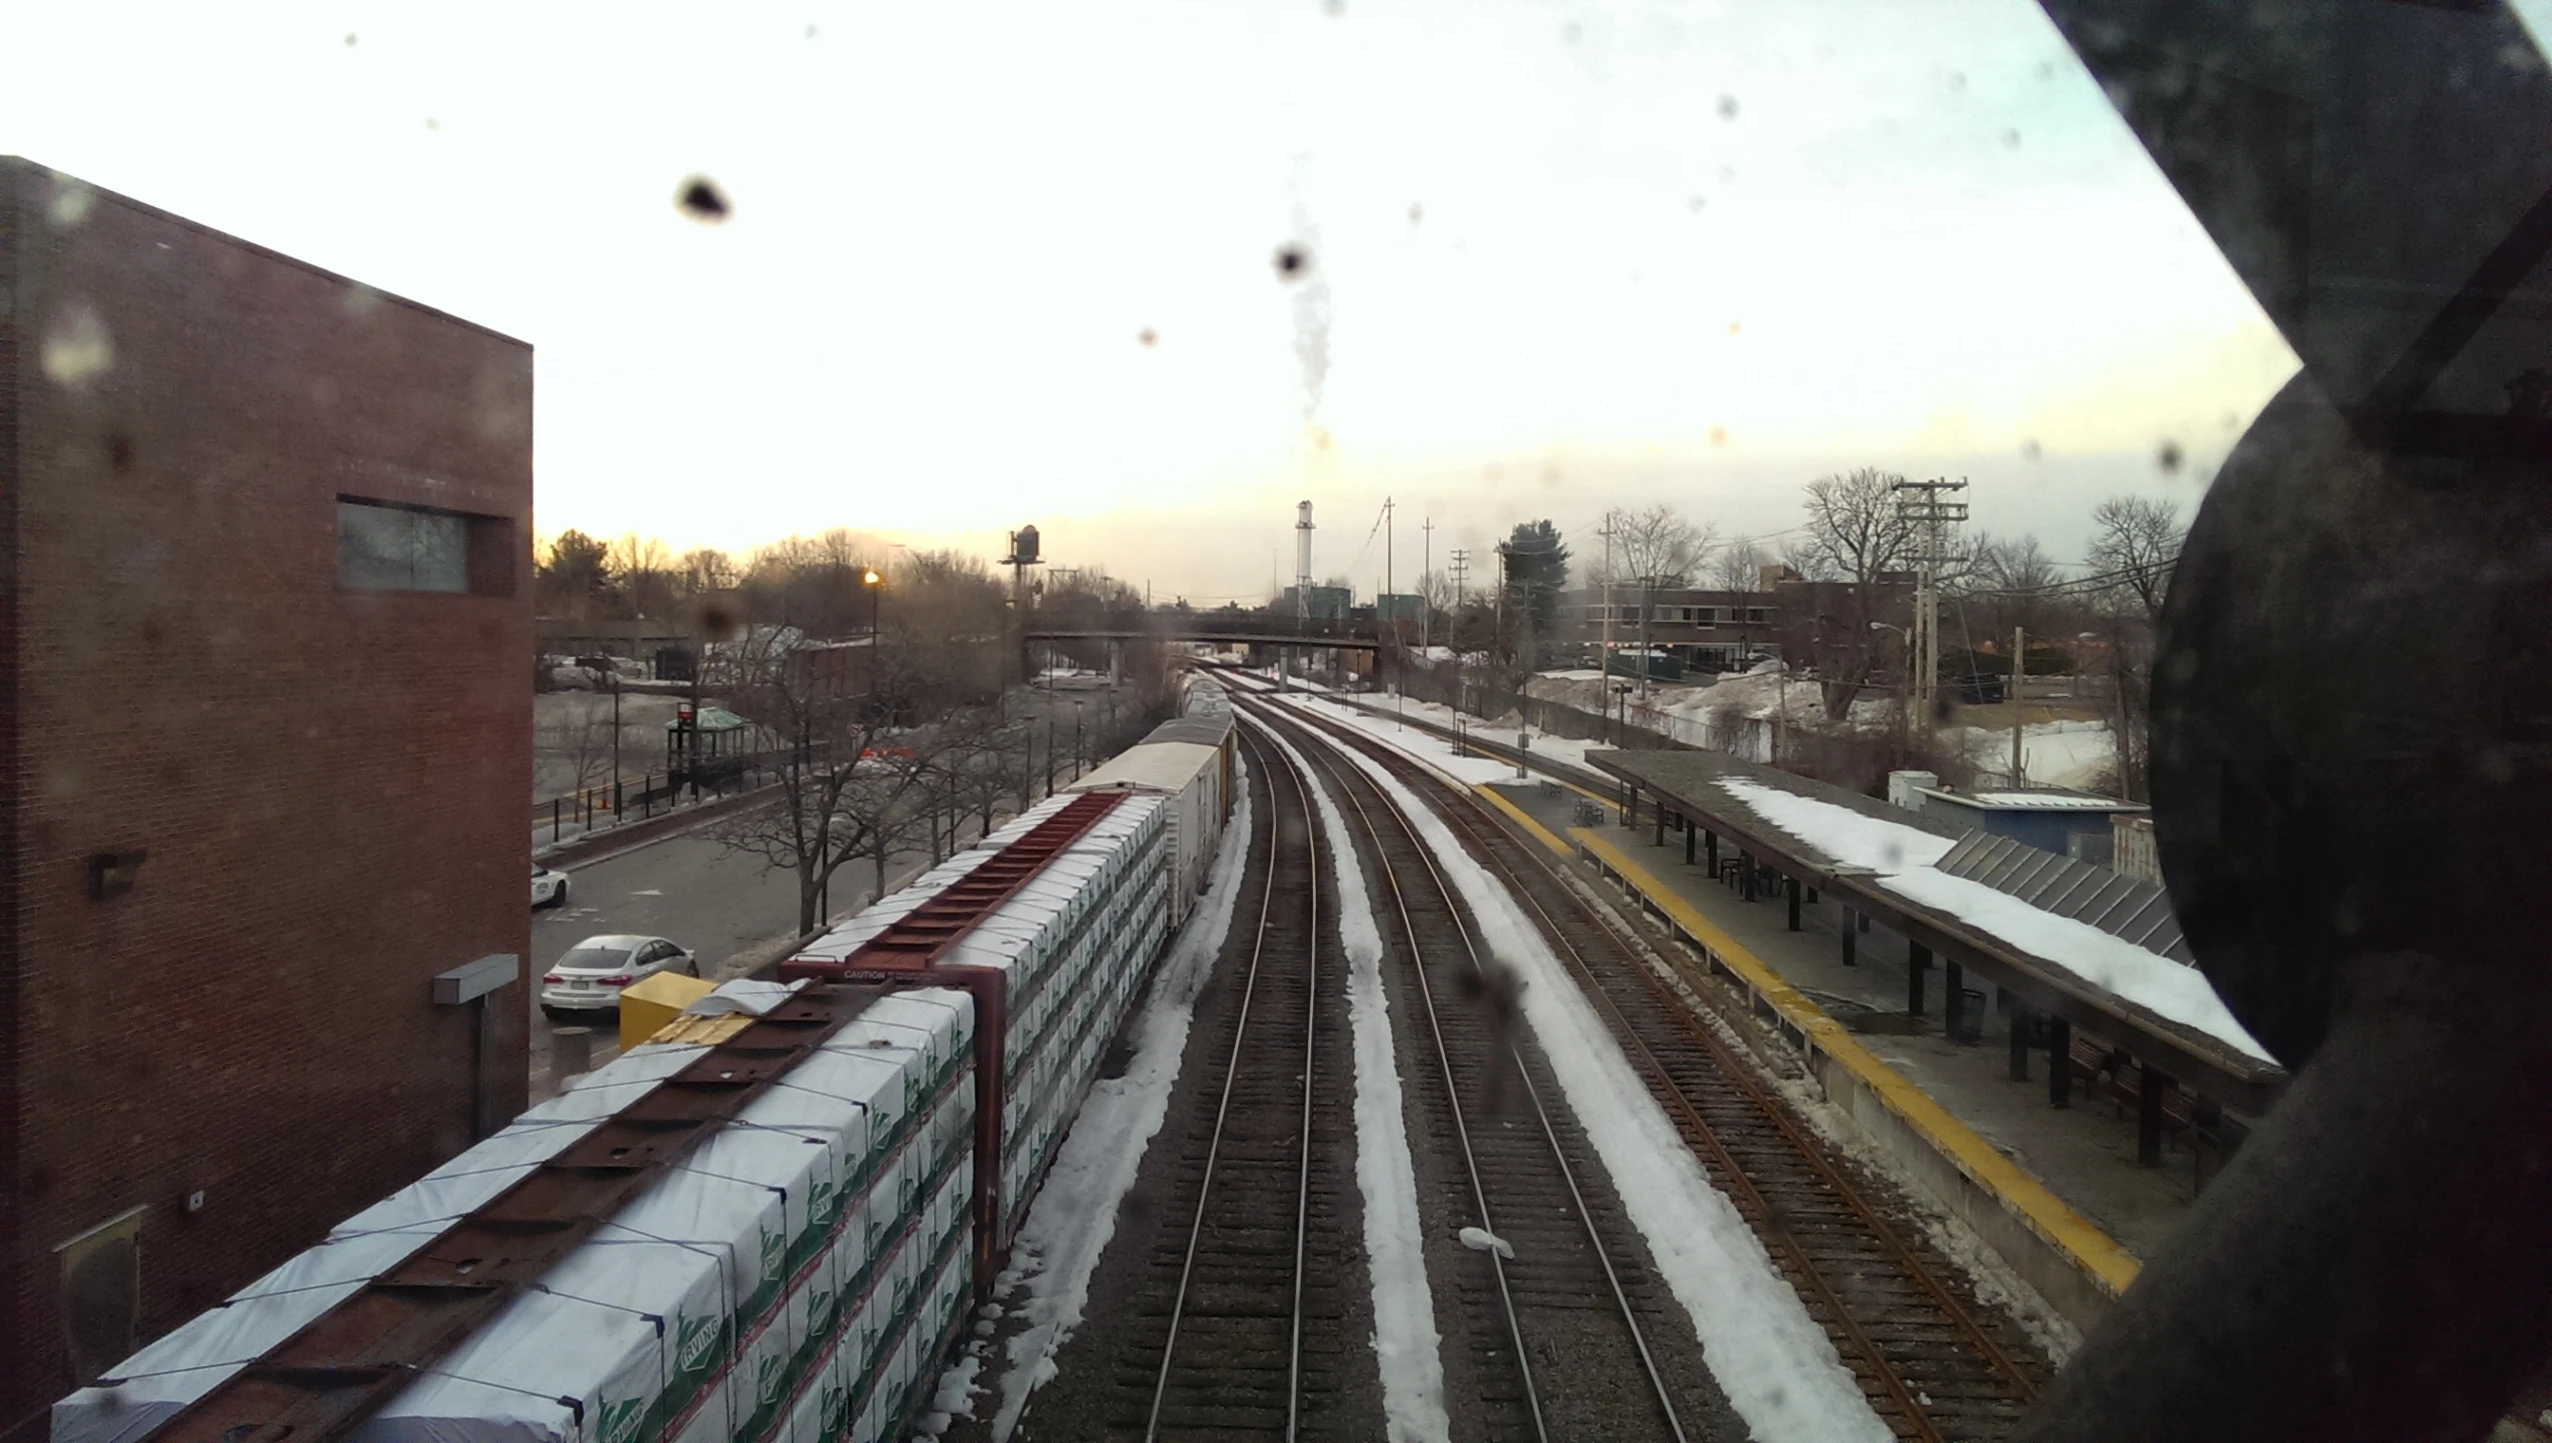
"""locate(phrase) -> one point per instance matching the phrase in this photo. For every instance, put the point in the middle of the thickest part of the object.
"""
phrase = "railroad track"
(1239, 1329)
(1934, 1362)
(1563, 1339)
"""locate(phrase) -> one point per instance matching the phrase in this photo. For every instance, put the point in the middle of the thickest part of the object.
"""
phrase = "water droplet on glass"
(77, 348)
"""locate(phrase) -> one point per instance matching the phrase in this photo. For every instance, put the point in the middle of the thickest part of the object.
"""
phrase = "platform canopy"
(2116, 978)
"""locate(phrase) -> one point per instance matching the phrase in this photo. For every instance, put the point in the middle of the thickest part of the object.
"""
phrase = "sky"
(990, 264)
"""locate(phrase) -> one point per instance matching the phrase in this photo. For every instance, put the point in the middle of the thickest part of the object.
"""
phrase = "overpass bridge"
(1251, 632)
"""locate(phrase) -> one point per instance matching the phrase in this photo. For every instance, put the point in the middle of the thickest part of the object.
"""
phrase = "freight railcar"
(796, 1274)
(1190, 762)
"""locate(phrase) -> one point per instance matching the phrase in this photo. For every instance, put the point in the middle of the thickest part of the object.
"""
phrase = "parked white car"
(549, 889)
(591, 974)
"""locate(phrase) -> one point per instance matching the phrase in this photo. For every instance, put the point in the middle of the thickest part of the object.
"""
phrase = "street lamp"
(1076, 740)
(1905, 693)
(875, 584)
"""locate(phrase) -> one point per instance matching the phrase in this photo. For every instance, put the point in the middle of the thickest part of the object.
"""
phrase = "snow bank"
(1075, 1213)
(1571, 750)
(1418, 745)
(1775, 1364)
(1405, 1336)
(1903, 857)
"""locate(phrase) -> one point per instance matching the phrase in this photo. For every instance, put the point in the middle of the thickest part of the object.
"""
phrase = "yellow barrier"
(2091, 1250)
(646, 1007)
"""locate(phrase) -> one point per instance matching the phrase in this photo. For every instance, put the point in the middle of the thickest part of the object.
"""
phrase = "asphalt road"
(686, 888)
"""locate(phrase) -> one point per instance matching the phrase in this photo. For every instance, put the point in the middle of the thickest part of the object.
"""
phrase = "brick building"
(1704, 629)
(264, 743)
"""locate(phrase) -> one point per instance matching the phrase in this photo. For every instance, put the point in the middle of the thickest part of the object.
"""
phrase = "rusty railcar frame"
(316, 1385)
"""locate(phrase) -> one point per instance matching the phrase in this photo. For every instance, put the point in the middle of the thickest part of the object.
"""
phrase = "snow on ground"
(956, 1393)
(2052, 754)
(1571, 750)
(1405, 1336)
(2066, 753)
(1903, 857)
(1076, 1211)
(1775, 1364)
(1732, 713)
(1423, 746)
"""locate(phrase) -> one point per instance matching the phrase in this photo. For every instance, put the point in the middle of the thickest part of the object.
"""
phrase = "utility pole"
(2019, 649)
(1426, 608)
(1385, 602)
(1606, 665)
(1919, 504)
(1461, 568)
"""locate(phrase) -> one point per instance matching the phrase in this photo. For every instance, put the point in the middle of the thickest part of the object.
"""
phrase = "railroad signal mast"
(1929, 518)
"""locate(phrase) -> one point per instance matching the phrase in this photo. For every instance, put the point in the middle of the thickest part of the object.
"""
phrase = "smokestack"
(1302, 559)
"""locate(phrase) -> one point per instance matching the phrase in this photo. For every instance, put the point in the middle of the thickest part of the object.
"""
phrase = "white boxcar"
(1189, 762)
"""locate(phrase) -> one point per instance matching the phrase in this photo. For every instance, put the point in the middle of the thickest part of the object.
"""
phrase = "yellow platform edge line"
(1517, 815)
(2094, 1252)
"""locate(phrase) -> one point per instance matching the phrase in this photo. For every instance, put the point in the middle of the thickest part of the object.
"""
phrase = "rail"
(1514, 1057)
(1915, 1382)
(1232, 1072)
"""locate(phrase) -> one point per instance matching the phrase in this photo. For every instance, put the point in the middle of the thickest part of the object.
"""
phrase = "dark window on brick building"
(386, 547)
(101, 1294)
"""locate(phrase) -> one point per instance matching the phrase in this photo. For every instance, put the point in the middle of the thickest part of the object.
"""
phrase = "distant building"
(1328, 603)
(266, 730)
(1702, 630)
(2053, 819)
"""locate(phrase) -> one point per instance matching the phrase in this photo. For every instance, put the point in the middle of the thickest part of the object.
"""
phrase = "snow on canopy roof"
(2048, 801)
(1900, 858)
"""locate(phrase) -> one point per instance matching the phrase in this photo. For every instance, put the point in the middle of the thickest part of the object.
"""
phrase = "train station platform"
(2064, 1195)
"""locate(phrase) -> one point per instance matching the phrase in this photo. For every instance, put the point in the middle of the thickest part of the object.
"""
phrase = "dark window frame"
(488, 564)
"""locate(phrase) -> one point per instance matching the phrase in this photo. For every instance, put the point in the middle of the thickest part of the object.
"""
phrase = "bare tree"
(2135, 544)
(1855, 535)
(1809, 561)
(1654, 550)
(2139, 541)
(1853, 524)
(643, 568)
(578, 737)
(1738, 565)
(706, 569)
(857, 736)
(2011, 582)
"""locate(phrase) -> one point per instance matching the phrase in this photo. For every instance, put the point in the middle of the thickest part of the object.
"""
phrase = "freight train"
(767, 1224)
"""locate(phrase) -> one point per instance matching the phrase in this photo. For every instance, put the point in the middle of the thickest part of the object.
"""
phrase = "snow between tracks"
(1405, 1336)
(1771, 1359)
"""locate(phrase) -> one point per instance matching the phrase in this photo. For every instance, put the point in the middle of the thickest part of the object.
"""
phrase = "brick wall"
(328, 783)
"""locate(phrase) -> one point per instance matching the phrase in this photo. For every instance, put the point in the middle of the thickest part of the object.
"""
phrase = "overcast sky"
(1561, 256)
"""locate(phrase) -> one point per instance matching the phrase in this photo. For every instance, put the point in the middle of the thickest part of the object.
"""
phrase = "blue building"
(2054, 819)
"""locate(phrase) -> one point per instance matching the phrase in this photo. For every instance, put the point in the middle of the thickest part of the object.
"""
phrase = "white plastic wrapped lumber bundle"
(698, 1311)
